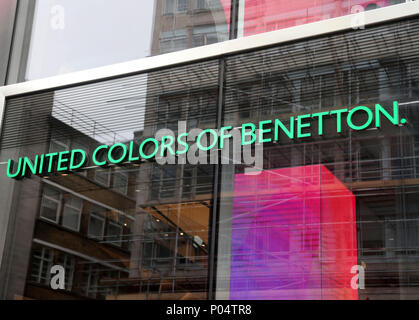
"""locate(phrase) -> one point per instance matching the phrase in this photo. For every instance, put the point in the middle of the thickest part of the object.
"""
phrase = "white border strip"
(215, 50)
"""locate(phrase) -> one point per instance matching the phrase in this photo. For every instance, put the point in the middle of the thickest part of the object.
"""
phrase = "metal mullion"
(214, 215)
(234, 19)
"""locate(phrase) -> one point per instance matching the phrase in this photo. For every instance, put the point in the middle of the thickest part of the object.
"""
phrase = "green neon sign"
(299, 127)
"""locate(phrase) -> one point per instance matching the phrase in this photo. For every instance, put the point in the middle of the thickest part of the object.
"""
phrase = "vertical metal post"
(234, 19)
(213, 223)
(19, 51)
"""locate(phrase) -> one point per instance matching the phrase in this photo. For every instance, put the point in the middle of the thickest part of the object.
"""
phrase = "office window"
(96, 222)
(201, 4)
(169, 7)
(182, 5)
(168, 181)
(41, 265)
(204, 35)
(277, 96)
(103, 176)
(368, 85)
(114, 234)
(50, 204)
(173, 40)
(110, 281)
(72, 212)
(168, 112)
(120, 182)
(204, 179)
(90, 280)
(188, 181)
(202, 109)
(147, 254)
(175, 6)
(58, 145)
(67, 262)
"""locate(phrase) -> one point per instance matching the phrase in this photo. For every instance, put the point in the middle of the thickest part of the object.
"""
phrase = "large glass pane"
(72, 213)
(50, 204)
(259, 16)
(76, 35)
(299, 218)
(131, 230)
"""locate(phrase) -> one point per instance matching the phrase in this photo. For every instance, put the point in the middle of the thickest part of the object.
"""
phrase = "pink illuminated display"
(268, 15)
(293, 236)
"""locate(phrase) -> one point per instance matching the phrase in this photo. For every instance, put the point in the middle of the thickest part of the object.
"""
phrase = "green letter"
(224, 136)
(263, 131)
(289, 133)
(167, 146)
(51, 160)
(27, 163)
(156, 147)
(393, 119)
(339, 118)
(301, 125)
(179, 140)
(198, 141)
(74, 158)
(95, 161)
(366, 124)
(10, 166)
(320, 116)
(131, 157)
(62, 160)
(122, 157)
(251, 133)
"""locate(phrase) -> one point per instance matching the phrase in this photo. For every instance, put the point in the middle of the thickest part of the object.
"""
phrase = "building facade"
(311, 216)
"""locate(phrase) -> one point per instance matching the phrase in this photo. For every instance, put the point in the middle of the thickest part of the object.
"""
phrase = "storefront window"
(76, 35)
(118, 230)
(326, 204)
(268, 15)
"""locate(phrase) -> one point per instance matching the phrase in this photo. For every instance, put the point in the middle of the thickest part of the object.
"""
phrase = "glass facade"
(70, 36)
(259, 16)
(66, 36)
(371, 173)
(286, 219)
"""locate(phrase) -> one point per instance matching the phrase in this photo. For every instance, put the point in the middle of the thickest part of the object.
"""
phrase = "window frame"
(126, 186)
(80, 212)
(65, 144)
(98, 217)
(108, 172)
(175, 7)
(121, 229)
(69, 265)
(59, 207)
(42, 260)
